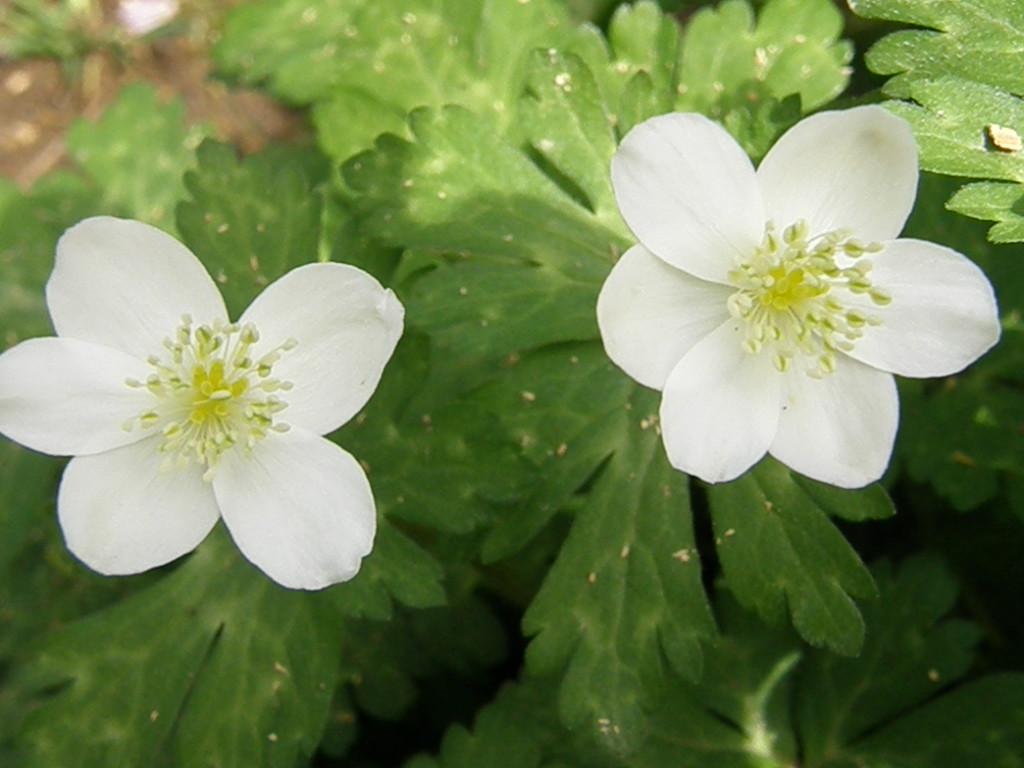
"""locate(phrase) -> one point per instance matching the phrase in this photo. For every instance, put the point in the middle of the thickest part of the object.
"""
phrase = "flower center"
(790, 294)
(210, 394)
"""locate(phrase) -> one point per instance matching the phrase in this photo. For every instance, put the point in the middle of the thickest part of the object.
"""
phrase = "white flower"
(772, 307)
(177, 417)
(140, 17)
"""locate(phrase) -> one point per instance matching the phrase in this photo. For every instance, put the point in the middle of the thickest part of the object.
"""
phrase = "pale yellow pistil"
(210, 394)
(790, 295)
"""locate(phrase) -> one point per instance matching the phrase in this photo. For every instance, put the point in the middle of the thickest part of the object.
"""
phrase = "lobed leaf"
(137, 153)
(250, 220)
(768, 701)
(779, 552)
(792, 48)
(959, 85)
(167, 671)
(624, 599)
(366, 64)
(444, 469)
(519, 729)
(976, 40)
(912, 651)
(561, 404)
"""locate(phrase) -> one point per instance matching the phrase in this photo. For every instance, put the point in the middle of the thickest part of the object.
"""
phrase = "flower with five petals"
(771, 307)
(177, 417)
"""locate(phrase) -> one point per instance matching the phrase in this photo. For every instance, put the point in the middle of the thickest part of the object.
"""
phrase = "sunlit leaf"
(137, 153)
(960, 83)
(368, 63)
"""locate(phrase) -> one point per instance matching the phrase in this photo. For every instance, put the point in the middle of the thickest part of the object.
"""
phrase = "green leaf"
(959, 83)
(250, 220)
(977, 40)
(871, 503)
(960, 435)
(980, 723)
(738, 713)
(561, 404)
(519, 729)
(214, 665)
(461, 304)
(460, 188)
(767, 701)
(780, 552)
(624, 599)
(30, 224)
(516, 240)
(387, 59)
(724, 63)
(385, 664)
(40, 585)
(911, 653)
(397, 568)
(993, 201)
(568, 124)
(443, 469)
(137, 153)
(953, 122)
(728, 59)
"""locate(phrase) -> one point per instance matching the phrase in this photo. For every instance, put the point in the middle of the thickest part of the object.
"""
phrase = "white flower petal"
(300, 509)
(689, 193)
(120, 514)
(838, 429)
(651, 314)
(67, 397)
(856, 168)
(346, 326)
(720, 407)
(126, 284)
(942, 316)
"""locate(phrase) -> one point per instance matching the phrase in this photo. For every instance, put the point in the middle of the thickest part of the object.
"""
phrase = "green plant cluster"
(545, 590)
